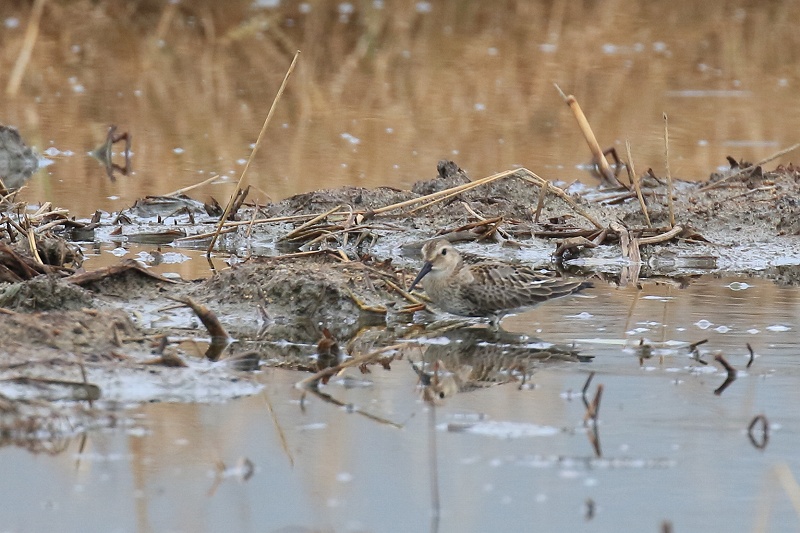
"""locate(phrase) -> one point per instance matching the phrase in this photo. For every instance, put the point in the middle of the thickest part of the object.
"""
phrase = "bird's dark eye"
(444, 252)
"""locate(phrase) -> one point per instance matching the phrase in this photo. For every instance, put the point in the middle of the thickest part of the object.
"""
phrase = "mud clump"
(18, 162)
(43, 293)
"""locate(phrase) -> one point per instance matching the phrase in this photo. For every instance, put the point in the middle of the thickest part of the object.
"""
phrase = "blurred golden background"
(385, 89)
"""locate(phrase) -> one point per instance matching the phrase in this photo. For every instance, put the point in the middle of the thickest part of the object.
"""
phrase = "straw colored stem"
(253, 153)
(663, 237)
(670, 205)
(31, 34)
(588, 134)
(635, 180)
(311, 222)
(191, 187)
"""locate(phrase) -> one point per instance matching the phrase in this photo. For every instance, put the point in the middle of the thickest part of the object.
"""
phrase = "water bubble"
(778, 328)
(703, 324)
(738, 286)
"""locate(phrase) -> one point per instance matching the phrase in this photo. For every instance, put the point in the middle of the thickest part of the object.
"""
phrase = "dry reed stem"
(662, 237)
(32, 244)
(669, 174)
(191, 187)
(452, 191)
(583, 124)
(741, 171)
(558, 191)
(522, 173)
(635, 181)
(310, 223)
(253, 152)
(31, 34)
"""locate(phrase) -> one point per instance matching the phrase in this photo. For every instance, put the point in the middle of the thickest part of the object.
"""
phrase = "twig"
(752, 355)
(32, 244)
(759, 443)
(662, 237)
(527, 175)
(311, 222)
(635, 181)
(731, 373)
(252, 154)
(669, 174)
(741, 171)
(586, 388)
(191, 187)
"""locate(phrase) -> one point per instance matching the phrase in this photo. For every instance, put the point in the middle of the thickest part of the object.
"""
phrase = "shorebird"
(484, 287)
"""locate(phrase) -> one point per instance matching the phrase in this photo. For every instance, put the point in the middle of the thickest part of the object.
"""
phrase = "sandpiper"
(484, 287)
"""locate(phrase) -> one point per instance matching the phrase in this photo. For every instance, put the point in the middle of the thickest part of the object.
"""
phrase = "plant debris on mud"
(331, 267)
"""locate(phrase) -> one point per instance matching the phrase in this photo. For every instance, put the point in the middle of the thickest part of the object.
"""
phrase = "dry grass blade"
(527, 175)
(663, 237)
(311, 222)
(253, 153)
(430, 199)
(191, 187)
(670, 206)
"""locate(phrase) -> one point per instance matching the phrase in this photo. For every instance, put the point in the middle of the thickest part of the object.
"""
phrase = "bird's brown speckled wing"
(501, 286)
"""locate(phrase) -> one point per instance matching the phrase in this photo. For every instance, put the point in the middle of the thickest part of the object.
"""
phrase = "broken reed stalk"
(252, 153)
(597, 153)
(191, 187)
(31, 34)
(669, 174)
(309, 223)
(744, 170)
(231, 225)
(663, 237)
(447, 193)
(635, 181)
(32, 244)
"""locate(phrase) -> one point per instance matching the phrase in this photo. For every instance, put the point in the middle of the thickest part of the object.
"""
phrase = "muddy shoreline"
(294, 273)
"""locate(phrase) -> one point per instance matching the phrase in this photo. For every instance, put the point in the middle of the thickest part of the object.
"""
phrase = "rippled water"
(498, 458)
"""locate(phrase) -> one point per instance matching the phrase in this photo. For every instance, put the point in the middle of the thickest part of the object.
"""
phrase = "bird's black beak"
(424, 270)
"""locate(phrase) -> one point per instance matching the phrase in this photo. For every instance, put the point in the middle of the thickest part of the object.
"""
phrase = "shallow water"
(390, 91)
(503, 458)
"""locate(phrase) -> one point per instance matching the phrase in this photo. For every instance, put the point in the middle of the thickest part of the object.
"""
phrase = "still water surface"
(506, 459)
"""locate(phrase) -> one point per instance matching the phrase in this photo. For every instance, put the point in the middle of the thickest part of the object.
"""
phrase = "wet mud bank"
(324, 274)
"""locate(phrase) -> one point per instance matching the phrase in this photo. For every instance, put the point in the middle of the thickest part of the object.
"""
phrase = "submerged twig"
(751, 432)
(731, 373)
